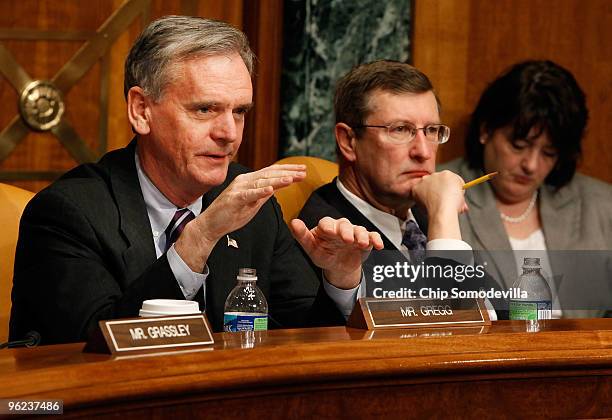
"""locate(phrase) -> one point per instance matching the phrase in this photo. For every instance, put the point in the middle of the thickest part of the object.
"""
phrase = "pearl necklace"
(523, 216)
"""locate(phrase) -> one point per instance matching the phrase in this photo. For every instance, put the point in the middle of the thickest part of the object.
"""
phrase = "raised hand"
(441, 193)
(338, 247)
(233, 209)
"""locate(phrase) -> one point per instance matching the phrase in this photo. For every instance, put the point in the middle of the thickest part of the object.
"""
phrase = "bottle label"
(530, 310)
(233, 322)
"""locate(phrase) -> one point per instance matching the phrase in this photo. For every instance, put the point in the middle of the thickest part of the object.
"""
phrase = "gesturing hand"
(338, 247)
(233, 209)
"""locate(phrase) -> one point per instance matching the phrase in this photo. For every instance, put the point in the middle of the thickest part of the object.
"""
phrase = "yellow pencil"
(480, 180)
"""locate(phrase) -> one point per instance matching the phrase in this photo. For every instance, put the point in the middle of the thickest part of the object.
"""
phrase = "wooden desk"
(563, 371)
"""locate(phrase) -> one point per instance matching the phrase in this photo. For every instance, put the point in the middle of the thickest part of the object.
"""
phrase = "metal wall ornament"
(41, 105)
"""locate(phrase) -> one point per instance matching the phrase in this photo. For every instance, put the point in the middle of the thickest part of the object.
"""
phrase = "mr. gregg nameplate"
(373, 313)
(146, 334)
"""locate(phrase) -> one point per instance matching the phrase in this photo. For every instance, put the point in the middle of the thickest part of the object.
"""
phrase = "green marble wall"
(324, 39)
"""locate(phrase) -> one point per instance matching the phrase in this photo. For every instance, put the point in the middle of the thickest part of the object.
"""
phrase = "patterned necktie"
(176, 226)
(415, 240)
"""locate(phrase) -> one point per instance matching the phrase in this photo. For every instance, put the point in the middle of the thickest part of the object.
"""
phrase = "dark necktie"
(415, 240)
(176, 226)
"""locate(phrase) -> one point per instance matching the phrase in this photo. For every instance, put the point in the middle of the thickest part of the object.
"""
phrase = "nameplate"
(372, 313)
(144, 335)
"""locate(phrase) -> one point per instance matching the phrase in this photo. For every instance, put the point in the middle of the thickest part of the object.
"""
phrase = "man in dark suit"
(170, 216)
(387, 131)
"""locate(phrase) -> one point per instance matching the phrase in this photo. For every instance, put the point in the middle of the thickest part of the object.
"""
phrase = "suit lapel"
(223, 263)
(134, 222)
(560, 215)
(489, 231)
(484, 218)
(224, 260)
(337, 200)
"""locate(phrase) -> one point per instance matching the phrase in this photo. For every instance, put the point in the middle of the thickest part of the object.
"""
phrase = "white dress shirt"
(393, 228)
(161, 211)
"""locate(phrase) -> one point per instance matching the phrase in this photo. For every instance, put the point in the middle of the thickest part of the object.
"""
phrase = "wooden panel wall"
(41, 58)
(264, 27)
(460, 44)
(34, 33)
(464, 44)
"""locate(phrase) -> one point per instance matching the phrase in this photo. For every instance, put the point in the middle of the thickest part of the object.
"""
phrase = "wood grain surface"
(462, 45)
(502, 371)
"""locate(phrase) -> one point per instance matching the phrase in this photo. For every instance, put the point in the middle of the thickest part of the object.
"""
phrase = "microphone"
(32, 339)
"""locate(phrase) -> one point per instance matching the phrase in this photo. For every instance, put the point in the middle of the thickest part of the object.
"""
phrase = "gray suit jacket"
(577, 217)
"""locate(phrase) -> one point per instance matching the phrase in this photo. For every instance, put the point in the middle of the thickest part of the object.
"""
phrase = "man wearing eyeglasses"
(388, 130)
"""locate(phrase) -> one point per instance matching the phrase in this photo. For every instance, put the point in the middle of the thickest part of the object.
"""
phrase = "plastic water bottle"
(537, 305)
(246, 308)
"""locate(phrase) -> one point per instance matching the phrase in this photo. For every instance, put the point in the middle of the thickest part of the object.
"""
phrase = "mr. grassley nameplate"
(371, 313)
(145, 335)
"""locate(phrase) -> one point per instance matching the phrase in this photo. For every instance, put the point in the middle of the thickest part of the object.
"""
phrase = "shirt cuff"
(344, 298)
(189, 281)
(443, 248)
(448, 244)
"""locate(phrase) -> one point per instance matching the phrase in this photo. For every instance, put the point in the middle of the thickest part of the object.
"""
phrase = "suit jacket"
(86, 253)
(577, 217)
(329, 201)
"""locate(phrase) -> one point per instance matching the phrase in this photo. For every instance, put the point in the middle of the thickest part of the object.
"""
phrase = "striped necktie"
(415, 240)
(176, 226)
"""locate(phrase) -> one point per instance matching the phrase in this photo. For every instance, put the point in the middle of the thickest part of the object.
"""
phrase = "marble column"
(324, 39)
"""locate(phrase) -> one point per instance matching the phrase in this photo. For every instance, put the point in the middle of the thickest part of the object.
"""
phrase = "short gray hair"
(171, 39)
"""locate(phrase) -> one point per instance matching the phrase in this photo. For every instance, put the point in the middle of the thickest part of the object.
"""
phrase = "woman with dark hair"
(528, 125)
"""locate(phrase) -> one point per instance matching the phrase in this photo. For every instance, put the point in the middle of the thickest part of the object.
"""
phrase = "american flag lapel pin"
(231, 242)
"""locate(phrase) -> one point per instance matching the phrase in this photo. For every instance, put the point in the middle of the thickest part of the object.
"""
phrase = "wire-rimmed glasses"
(403, 132)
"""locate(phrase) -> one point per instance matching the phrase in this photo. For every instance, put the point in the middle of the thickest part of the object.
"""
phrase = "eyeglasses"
(401, 132)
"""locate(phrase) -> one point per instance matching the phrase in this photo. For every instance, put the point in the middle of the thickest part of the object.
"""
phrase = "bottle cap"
(531, 262)
(247, 274)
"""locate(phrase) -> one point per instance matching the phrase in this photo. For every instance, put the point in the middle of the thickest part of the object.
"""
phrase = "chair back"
(12, 202)
(318, 172)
